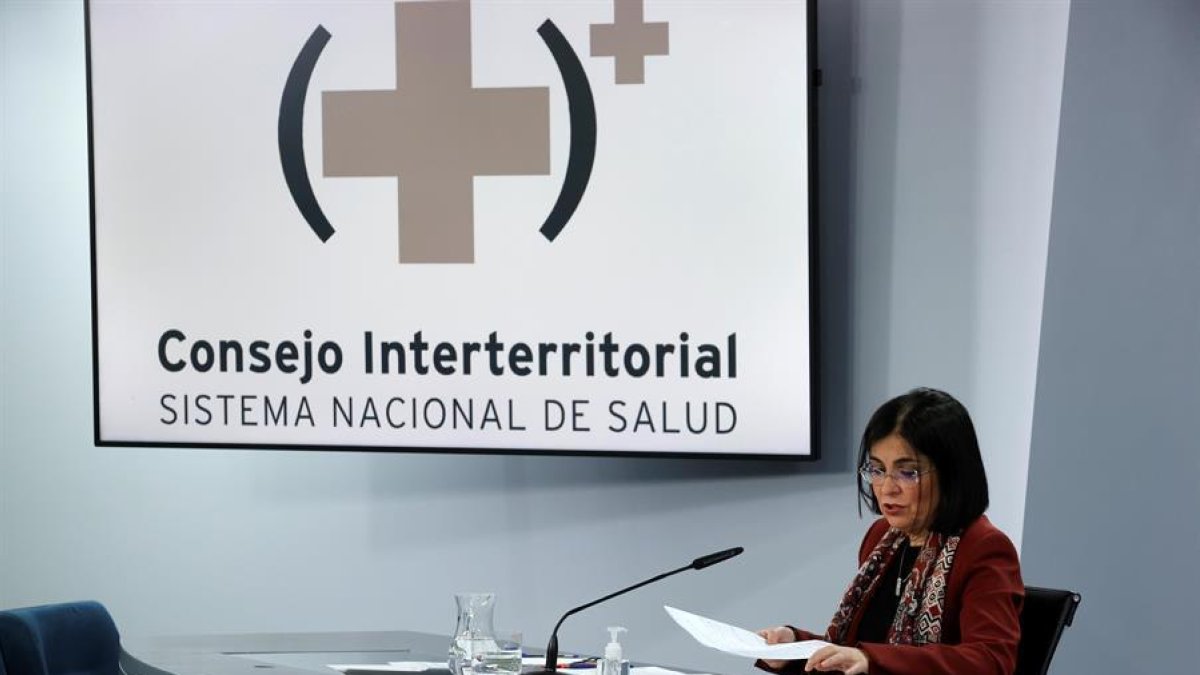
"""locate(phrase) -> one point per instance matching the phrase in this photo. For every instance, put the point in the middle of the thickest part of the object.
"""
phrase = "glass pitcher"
(473, 634)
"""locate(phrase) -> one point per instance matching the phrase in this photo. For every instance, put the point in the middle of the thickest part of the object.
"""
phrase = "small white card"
(391, 666)
(654, 670)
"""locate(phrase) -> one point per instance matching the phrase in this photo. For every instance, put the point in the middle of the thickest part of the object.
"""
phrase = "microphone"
(697, 564)
(714, 558)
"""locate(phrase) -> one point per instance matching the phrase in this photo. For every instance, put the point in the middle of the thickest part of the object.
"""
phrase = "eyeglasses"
(905, 477)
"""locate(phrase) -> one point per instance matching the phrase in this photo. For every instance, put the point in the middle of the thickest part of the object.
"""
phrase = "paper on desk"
(739, 641)
(562, 663)
(417, 666)
(541, 660)
(653, 670)
(392, 666)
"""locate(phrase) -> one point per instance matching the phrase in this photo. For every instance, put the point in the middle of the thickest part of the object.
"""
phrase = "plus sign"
(435, 132)
(629, 40)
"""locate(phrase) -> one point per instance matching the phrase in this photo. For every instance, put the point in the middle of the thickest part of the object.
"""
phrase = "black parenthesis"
(582, 108)
(291, 134)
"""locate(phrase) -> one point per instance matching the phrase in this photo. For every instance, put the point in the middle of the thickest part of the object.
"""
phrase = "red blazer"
(981, 626)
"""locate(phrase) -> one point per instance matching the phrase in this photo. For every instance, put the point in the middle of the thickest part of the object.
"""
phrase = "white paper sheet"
(654, 670)
(739, 641)
(376, 667)
(563, 662)
(392, 666)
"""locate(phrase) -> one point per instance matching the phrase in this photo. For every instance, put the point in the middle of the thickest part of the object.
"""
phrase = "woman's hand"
(773, 636)
(849, 660)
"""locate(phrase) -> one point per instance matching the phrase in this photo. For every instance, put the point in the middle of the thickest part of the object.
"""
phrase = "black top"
(881, 608)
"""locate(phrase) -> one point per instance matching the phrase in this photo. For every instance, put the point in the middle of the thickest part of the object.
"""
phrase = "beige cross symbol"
(629, 40)
(435, 132)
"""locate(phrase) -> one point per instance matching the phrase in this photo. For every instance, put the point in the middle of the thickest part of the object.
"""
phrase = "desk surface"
(275, 653)
(278, 653)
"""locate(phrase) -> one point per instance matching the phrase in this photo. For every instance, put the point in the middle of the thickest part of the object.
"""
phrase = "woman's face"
(906, 506)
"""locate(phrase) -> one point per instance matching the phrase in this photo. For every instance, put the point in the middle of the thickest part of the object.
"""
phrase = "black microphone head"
(714, 558)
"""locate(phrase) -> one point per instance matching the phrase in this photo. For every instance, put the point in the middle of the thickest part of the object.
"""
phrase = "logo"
(435, 131)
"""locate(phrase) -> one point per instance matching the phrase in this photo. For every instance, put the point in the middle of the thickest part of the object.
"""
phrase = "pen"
(585, 663)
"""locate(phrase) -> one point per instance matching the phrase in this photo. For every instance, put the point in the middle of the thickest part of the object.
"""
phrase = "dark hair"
(936, 425)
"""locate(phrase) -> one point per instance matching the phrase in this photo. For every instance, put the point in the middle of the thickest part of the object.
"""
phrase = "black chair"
(78, 638)
(1046, 612)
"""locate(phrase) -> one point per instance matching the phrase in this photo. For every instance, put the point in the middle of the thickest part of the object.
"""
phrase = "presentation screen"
(519, 227)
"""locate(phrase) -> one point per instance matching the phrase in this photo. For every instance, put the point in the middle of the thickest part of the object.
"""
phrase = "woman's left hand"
(849, 660)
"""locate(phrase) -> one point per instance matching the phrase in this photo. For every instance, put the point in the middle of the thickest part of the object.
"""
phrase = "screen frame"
(814, 81)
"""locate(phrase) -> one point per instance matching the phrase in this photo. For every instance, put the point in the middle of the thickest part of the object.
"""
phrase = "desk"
(279, 653)
(275, 653)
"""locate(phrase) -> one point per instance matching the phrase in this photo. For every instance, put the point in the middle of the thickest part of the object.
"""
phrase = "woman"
(939, 588)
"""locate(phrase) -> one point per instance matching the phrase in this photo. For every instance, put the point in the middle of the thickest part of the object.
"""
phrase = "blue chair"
(75, 638)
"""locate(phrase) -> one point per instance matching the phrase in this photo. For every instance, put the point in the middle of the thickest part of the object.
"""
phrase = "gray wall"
(1114, 486)
(938, 146)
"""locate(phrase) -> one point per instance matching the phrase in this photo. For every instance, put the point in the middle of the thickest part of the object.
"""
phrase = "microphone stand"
(697, 564)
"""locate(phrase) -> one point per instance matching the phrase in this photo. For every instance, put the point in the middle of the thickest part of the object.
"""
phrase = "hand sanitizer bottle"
(614, 662)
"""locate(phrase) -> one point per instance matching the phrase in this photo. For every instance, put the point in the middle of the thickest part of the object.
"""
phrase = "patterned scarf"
(918, 619)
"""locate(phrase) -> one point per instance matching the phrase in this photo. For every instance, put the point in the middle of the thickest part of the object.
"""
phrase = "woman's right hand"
(776, 635)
